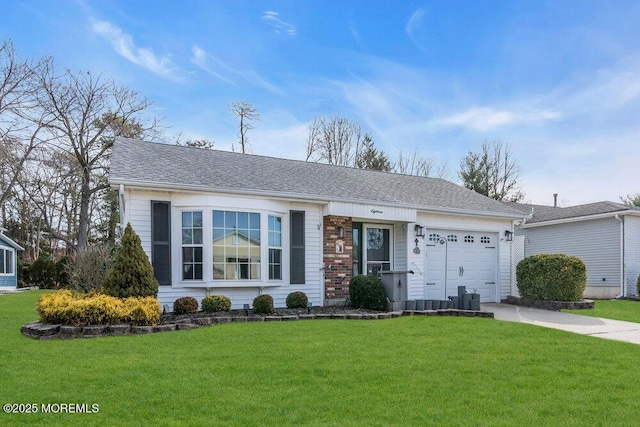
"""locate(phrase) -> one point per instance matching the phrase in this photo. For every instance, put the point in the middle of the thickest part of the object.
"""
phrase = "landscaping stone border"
(42, 331)
(550, 305)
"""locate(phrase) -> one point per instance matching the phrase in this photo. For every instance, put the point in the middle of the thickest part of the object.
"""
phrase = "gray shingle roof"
(163, 165)
(543, 213)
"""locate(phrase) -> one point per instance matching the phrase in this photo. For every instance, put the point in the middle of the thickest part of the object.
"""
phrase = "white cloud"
(273, 19)
(415, 25)
(486, 119)
(224, 72)
(123, 44)
(355, 33)
(201, 58)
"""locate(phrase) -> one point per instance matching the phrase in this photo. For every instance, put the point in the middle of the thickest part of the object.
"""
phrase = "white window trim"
(207, 248)
(365, 261)
(281, 247)
(13, 266)
(181, 245)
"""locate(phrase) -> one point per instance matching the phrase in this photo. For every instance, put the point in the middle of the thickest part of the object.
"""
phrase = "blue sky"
(557, 80)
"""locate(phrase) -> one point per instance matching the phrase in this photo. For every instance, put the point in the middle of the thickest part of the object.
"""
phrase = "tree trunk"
(83, 218)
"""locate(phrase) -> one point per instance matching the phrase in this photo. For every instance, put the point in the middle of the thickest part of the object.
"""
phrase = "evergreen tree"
(131, 274)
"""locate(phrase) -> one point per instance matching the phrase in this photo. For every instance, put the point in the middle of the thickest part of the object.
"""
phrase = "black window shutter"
(297, 261)
(161, 241)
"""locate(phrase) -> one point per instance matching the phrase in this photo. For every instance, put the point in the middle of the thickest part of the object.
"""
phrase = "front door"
(378, 247)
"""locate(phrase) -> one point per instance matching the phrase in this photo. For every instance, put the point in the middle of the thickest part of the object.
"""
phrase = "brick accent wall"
(338, 276)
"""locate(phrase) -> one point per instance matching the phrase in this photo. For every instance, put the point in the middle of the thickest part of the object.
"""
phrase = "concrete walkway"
(617, 330)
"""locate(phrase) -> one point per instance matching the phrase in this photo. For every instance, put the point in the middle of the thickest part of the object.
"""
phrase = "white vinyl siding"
(631, 254)
(137, 211)
(458, 224)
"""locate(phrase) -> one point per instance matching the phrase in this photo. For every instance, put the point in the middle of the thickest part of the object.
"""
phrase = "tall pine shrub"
(131, 274)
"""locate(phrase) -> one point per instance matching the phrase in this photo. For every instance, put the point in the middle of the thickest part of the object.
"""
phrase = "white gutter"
(623, 279)
(580, 218)
(151, 185)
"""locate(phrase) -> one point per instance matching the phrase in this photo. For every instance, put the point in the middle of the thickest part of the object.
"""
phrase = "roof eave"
(581, 218)
(11, 242)
(159, 186)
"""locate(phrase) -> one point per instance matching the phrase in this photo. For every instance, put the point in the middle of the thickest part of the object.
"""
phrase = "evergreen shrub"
(551, 277)
(263, 304)
(131, 274)
(297, 299)
(42, 273)
(213, 303)
(367, 292)
(185, 305)
(81, 309)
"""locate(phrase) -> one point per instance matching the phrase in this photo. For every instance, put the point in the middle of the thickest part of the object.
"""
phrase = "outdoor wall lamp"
(508, 235)
(419, 230)
(340, 232)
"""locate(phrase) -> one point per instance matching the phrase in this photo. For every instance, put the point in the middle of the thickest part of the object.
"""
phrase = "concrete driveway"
(617, 330)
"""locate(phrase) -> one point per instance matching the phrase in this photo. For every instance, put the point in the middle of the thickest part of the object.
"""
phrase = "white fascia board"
(580, 218)
(11, 243)
(158, 186)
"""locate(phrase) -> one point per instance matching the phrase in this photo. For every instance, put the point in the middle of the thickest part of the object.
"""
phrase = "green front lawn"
(406, 371)
(615, 309)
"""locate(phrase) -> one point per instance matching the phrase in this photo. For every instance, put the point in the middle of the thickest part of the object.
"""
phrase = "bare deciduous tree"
(246, 114)
(18, 136)
(418, 164)
(493, 172)
(83, 114)
(631, 200)
(336, 140)
(196, 143)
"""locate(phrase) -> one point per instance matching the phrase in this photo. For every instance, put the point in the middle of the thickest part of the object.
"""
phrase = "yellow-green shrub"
(141, 311)
(78, 309)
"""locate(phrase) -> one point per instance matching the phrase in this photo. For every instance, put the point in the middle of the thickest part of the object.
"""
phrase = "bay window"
(236, 245)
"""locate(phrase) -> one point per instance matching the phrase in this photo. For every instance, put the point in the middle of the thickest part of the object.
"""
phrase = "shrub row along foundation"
(42, 331)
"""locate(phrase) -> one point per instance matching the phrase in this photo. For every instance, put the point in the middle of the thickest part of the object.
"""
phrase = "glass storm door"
(378, 248)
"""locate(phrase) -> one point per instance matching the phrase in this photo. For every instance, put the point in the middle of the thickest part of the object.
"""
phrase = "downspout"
(623, 280)
(121, 205)
(515, 225)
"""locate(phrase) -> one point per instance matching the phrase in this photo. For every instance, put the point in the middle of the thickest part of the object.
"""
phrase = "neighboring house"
(605, 235)
(8, 262)
(216, 222)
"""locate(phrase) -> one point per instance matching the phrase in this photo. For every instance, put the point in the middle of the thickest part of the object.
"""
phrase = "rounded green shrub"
(214, 303)
(551, 277)
(263, 304)
(43, 273)
(185, 305)
(638, 284)
(131, 274)
(297, 299)
(367, 292)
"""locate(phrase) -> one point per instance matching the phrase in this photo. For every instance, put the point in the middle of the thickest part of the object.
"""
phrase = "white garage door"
(461, 258)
